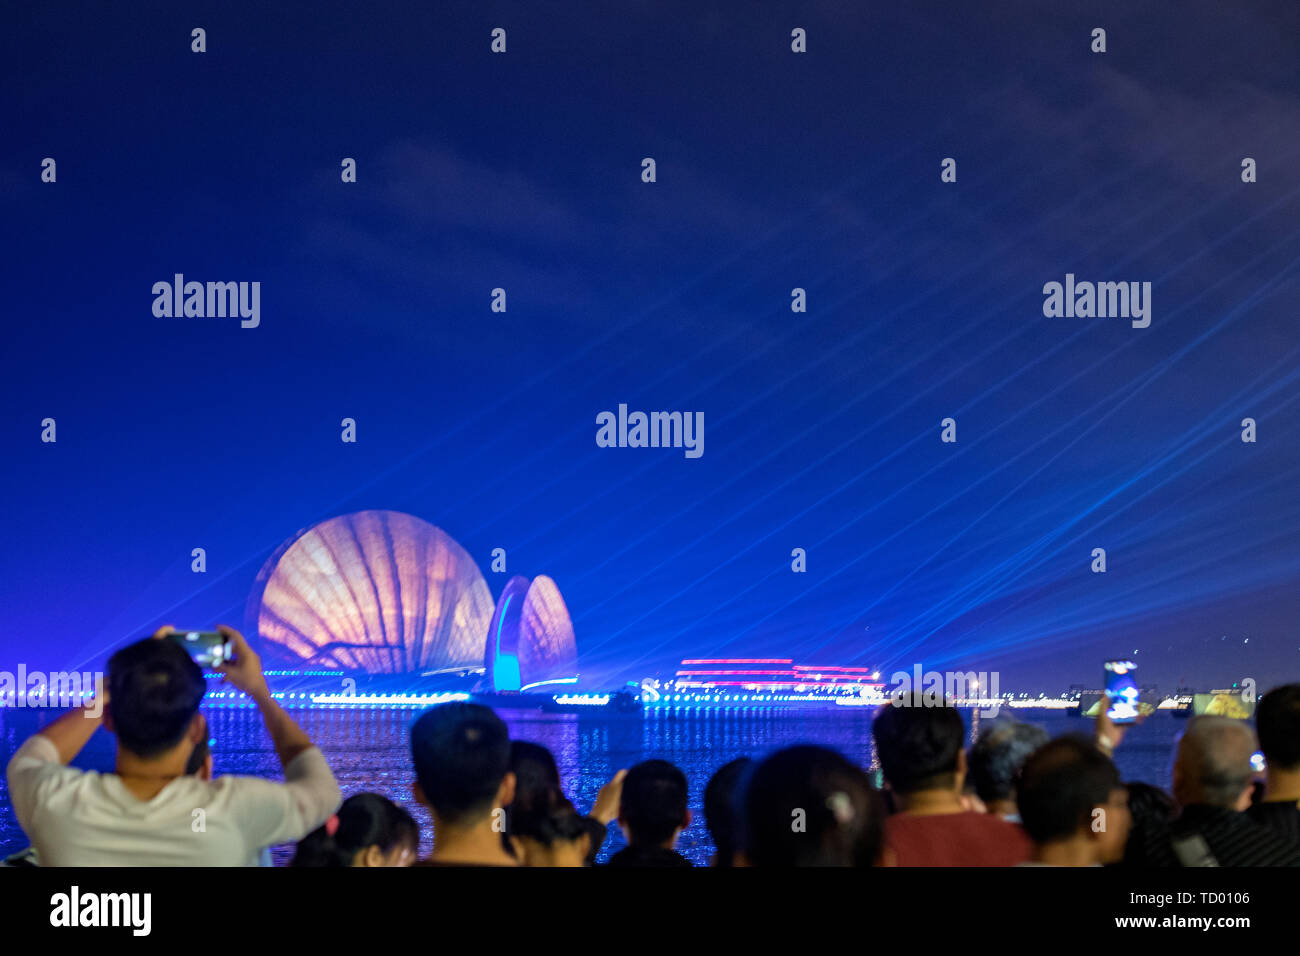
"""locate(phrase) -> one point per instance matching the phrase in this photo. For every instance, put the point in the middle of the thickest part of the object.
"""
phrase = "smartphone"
(208, 648)
(1122, 689)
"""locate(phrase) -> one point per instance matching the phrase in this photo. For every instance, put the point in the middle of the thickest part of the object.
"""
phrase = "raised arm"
(310, 792)
(70, 731)
(245, 673)
(1106, 732)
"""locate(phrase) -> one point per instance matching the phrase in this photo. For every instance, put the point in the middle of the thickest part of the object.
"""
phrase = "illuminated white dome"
(378, 591)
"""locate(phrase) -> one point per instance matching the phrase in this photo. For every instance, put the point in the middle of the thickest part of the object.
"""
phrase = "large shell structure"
(377, 591)
(530, 640)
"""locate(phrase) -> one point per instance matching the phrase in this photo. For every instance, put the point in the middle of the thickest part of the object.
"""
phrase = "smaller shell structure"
(530, 639)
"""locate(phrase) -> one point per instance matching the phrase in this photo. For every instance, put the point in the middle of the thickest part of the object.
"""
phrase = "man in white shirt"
(149, 812)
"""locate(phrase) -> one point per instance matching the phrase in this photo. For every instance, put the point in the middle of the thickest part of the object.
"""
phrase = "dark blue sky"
(775, 170)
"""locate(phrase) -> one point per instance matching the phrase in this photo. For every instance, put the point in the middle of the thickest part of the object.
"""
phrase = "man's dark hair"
(839, 814)
(154, 691)
(653, 804)
(1277, 722)
(918, 745)
(461, 754)
(1059, 786)
(997, 756)
(720, 807)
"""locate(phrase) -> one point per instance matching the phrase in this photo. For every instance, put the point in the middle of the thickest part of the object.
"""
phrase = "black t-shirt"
(647, 856)
(463, 865)
(1231, 838)
(1280, 815)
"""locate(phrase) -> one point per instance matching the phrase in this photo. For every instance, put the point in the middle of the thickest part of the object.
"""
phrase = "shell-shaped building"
(530, 640)
(377, 591)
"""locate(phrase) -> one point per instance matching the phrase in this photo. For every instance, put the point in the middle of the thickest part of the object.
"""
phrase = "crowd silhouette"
(1015, 798)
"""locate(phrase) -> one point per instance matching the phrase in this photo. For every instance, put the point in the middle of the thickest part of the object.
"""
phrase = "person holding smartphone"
(149, 811)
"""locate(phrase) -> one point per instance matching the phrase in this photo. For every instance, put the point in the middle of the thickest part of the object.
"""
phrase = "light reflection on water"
(368, 750)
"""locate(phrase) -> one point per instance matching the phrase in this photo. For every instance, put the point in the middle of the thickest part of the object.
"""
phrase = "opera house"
(385, 594)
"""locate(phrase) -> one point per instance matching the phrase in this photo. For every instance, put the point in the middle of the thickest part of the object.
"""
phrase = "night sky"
(775, 170)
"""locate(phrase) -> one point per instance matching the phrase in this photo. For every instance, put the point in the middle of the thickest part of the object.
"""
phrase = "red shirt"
(955, 839)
